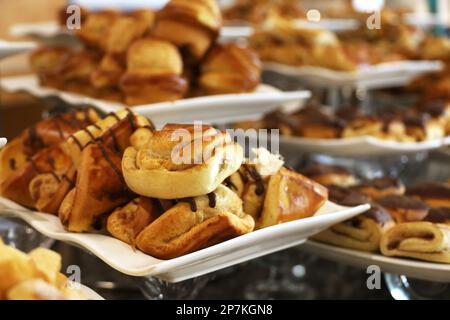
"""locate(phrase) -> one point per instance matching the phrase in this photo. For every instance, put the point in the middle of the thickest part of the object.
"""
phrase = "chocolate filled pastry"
(181, 161)
(154, 73)
(404, 208)
(317, 123)
(438, 215)
(419, 240)
(329, 175)
(363, 232)
(435, 194)
(229, 68)
(195, 223)
(16, 185)
(381, 187)
(95, 28)
(191, 25)
(127, 222)
(99, 188)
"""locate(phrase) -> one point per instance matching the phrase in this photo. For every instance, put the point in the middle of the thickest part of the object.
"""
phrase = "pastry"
(15, 186)
(229, 68)
(108, 73)
(127, 222)
(423, 127)
(99, 188)
(435, 194)
(153, 74)
(329, 175)
(95, 28)
(181, 161)
(192, 25)
(363, 232)
(404, 208)
(46, 61)
(419, 240)
(381, 187)
(363, 126)
(195, 223)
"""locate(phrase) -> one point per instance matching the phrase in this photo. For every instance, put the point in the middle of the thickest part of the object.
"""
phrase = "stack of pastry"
(424, 122)
(34, 276)
(145, 57)
(408, 222)
(167, 192)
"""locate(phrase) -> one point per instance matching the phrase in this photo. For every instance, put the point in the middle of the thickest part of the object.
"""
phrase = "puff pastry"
(195, 223)
(181, 161)
(419, 240)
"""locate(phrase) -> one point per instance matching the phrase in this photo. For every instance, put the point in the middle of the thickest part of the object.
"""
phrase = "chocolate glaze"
(12, 164)
(347, 197)
(130, 117)
(430, 189)
(321, 169)
(438, 215)
(378, 214)
(402, 202)
(381, 183)
(212, 199)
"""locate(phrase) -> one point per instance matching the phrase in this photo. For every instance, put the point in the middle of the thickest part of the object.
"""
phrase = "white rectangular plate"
(412, 268)
(359, 146)
(123, 258)
(217, 109)
(9, 48)
(384, 75)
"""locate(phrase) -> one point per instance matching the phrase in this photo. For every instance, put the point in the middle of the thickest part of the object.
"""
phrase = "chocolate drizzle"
(254, 174)
(70, 181)
(212, 199)
(12, 164)
(116, 145)
(230, 184)
(191, 202)
(34, 139)
(130, 118)
(111, 163)
(75, 139)
(89, 133)
(54, 175)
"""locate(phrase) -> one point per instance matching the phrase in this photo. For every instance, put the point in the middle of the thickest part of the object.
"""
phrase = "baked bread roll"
(363, 232)
(127, 222)
(153, 74)
(99, 188)
(380, 187)
(94, 30)
(229, 69)
(435, 194)
(192, 25)
(419, 240)
(404, 208)
(181, 161)
(195, 223)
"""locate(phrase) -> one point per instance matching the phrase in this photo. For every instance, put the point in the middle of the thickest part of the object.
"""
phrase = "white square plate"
(123, 258)
(218, 109)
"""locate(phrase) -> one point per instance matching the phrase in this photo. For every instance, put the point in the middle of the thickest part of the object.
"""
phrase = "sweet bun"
(196, 223)
(229, 69)
(153, 74)
(191, 25)
(171, 166)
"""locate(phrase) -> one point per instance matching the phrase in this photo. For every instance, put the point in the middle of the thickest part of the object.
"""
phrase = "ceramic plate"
(218, 109)
(384, 75)
(412, 268)
(9, 48)
(123, 258)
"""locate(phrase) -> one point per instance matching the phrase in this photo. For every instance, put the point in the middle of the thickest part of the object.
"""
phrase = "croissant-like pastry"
(192, 25)
(99, 188)
(93, 30)
(16, 186)
(153, 74)
(48, 190)
(363, 232)
(230, 69)
(419, 240)
(114, 131)
(181, 161)
(127, 222)
(194, 224)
